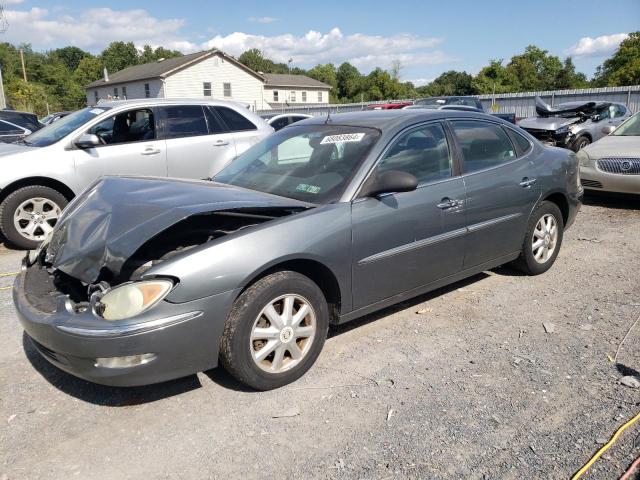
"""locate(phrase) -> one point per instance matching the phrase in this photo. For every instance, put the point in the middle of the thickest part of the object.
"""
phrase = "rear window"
(235, 121)
(184, 121)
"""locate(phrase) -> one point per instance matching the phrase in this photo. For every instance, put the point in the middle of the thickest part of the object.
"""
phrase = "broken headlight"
(132, 299)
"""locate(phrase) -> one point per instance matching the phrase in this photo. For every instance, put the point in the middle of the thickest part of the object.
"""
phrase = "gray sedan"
(327, 220)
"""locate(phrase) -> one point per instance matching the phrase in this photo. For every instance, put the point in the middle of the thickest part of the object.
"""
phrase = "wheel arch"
(561, 201)
(314, 269)
(32, 181)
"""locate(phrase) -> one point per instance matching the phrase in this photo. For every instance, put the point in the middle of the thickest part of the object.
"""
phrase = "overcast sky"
(428, 37)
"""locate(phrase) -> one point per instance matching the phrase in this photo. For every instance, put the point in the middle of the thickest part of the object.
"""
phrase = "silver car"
(573, 125)
(613, 163)
(164, 138)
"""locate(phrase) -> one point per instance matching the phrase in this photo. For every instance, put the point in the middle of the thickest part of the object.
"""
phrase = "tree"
(450, 83)
(568, 77)
(148, 54)
(326, 73)
(534, 69)
(119, 55)
(395, 69)
(349, 82)
(89, 70)
(623, 68)
(70, 56)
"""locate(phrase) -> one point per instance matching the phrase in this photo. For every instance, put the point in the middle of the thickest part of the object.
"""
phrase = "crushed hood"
(547, 123)
(569, 109)
(112, 219)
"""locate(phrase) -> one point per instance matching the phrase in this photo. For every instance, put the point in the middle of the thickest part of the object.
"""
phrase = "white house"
(208, 74)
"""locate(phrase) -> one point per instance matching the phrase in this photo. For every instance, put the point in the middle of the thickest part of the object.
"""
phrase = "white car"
(152, 137)
(282, 120)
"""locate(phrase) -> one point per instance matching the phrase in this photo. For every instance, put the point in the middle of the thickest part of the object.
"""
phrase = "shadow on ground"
(617, 201)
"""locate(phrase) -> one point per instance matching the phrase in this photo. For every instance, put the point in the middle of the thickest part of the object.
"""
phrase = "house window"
(115, 92)
(319, 97)
(226, 87)
(293, 96)
(206, 89)
(275, 95)
(95, 96)
(147, 91)
(124, 93)
(304, 96)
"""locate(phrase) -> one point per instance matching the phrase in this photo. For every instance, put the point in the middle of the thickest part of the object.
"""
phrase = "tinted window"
(617, 111)
(184, 121)
(214, 123)
(423, 152)
(234, 120)
(295, 118)
(483, 144)
(126, 127)
(521, 141)
(280, 123)
(6, 129)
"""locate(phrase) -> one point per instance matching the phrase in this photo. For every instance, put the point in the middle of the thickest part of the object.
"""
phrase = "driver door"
(130, 147)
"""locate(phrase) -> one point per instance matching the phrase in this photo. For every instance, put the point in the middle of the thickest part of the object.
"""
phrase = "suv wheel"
(580, 142)
(542, 240)
(29, 214)
(275, 331)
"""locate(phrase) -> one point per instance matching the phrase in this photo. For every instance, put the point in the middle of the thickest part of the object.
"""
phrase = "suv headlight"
(132, 299)
(562, 130)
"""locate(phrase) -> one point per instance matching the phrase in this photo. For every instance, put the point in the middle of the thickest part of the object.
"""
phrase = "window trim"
(304, 96)
(224, 90)
(205, 89)
(124, 92)
(156, 124)
(453, 152)
(147, 90)
(276, 96)
(320, 96)
(292, 96)
(461, 154)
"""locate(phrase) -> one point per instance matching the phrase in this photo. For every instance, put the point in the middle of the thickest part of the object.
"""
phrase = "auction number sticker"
(343, 137)
(303, 187)
(96, 111)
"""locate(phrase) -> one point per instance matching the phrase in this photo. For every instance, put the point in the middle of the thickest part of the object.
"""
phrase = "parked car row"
(15, 125)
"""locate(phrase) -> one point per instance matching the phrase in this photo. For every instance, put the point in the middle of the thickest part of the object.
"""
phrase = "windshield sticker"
(303, 187)
(96, 111)
(344, 137)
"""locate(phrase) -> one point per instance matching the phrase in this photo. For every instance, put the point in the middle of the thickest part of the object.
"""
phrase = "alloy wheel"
(35, 218)
(545, 238)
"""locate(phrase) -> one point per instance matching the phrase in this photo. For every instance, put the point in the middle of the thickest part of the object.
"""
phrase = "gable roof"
(284, 80)
(164, 68)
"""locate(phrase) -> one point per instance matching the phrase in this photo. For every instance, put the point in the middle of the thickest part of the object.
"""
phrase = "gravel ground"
(470, 387)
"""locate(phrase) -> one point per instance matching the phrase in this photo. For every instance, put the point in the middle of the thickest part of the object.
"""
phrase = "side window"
(126, 127)
(235, 121)
(521, 141)
(213, 122)
(422, 152)
(184, 121)
(617, 111)
(6, 129)
(280, 123)
(483, 144)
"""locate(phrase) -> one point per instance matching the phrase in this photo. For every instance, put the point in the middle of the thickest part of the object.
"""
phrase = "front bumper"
(182, 347)
(594, 179)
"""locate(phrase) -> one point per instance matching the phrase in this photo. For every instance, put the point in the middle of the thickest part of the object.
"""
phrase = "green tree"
(89, 70)
(70, 56)
(349, 82)
(534, 69)
(326, 73)
(623, 68)
(119, 55)
(450, 83)
(568, 77)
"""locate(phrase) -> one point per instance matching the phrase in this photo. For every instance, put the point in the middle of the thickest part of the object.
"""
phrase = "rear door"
(198, 143)
(501, 188)
(130, 147)
(405, 240)
(245, 133)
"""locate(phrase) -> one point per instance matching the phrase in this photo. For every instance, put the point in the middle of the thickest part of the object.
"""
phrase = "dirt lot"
(470, 387)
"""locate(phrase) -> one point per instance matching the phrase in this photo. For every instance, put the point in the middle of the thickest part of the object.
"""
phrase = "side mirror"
(391, 181)
(87, 140)
(608, 129)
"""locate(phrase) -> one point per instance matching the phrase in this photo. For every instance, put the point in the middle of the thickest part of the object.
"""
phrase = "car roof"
(393, 119)
(170, 101)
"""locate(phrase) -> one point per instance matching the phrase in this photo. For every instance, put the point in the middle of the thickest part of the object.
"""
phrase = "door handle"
(220, 143)
(527, 183)
(150, 151)
(447, 203)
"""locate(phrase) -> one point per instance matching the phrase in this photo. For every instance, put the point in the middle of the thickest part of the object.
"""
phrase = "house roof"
(284, 80)
(164, 68)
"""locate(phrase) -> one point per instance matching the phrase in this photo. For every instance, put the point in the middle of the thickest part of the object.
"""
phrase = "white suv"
(174, 138)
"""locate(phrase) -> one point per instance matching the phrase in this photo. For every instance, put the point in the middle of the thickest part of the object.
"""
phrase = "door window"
(483, 144)
(235, 121)
(280, 123)
(131, 126)
(7, 129)
(423, 152)
(213, 122)
(617, 111)
(184, 121)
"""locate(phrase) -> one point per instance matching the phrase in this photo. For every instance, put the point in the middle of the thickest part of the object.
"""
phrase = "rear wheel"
(275, 331)
(542, 240)
(29, 214)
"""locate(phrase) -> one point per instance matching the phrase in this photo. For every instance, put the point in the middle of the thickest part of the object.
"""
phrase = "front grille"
(48, 353)
(590, 183)
(620, 165)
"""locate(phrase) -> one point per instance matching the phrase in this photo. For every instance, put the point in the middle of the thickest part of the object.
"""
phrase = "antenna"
(4, 23)
(328, 119)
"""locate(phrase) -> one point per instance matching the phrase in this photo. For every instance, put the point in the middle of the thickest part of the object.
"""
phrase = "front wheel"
(542, 240)
(580, 142)
(275, 331)
(29, 214)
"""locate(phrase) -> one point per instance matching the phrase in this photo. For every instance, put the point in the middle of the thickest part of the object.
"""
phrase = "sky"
(427, 37)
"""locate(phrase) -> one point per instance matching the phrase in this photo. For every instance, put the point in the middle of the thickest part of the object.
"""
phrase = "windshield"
(311, 163)
(630, 128)
(63, 127)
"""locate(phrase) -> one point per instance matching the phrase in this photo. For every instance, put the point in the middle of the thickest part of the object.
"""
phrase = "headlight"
(562, 130)
(134, 298)
(583, 158)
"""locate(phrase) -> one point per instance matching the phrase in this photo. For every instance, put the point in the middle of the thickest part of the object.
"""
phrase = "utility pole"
(24, 71)
(3, 102)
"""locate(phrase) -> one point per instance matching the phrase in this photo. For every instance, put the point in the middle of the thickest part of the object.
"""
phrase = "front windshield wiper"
(21, 140)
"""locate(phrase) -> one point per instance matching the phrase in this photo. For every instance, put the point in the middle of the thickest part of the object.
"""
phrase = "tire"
(527, 261)
(49, 201)
(580, 142)
(237, 350)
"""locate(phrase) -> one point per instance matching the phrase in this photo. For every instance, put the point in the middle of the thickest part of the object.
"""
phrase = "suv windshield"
(63, 127)
(630, 128)
(311, 163)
